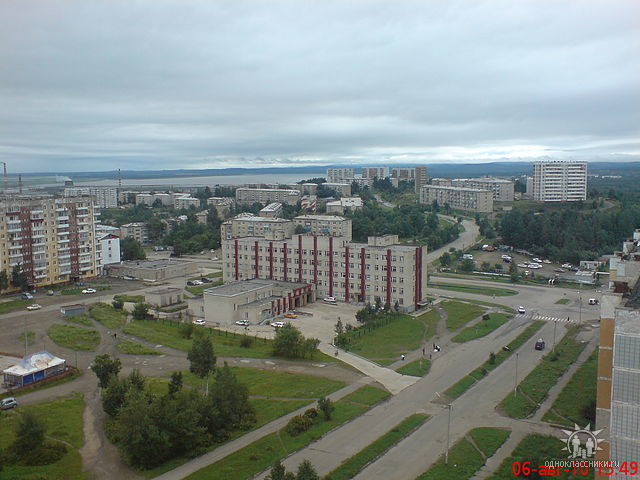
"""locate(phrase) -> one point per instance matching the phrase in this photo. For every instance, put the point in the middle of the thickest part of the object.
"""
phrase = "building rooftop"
(272, 207)
(250, 217)
(34, 363)
(456, 189)
(326, 218)
(164, 291)
(159, 263)
(245, 286)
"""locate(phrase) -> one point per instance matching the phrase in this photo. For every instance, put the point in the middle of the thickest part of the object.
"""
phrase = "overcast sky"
(155, 84)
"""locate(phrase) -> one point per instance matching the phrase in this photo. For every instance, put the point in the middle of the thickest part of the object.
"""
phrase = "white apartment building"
(345, 204)
(340, 175)
(108, 249)
(374, 172)
(503, 190)
(105, 197)
(324, 225)
(53, 239)
(186, 202)
(559, 181)
(267, 195)
(469, 199)
(136, 230)
(145, 199)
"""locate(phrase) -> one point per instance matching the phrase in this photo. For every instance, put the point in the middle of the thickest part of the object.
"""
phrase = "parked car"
(277, 324)
(537, 260)
(50, 292)
(243, 323)
(27, 296)
(7, 403)
(521, 310)
(467, 256)
(593, 301)
(290, 315)
(559, 270)
(329, 299)
(566, 265)
(540, 344)
(34, 306)
(546, 261)
(199, 321)
(89, 290)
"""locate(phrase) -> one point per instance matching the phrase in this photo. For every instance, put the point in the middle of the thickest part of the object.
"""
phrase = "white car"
(329, 299)
(199, 321)
(537, 260)
(243, 323)
(523, 265)
(546, 261)
(34, 306)
(521, 310)
(566, 265)
(277, 324)
(89, 290)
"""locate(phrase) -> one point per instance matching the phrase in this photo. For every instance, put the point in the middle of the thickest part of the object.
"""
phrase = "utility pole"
(515, 387)
(555, 325)
(446, 452)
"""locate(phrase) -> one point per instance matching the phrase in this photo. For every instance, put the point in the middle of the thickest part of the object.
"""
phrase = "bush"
(117, 304)
(486, 317)
(326, 406)
(311, 413)
(246, 342)
(492, 358)
(298, 425)
(186, 330)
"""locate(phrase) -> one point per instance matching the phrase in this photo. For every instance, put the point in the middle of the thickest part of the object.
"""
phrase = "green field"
(563, 301)
(367, 395)
(134, 348)
(534, 388)
(63, 419)
(576, 395)
(467, 382)
(129, 298)
(477, 289)
(459, 314)
(482, 328)
(75, 338)
(13, 305)
(350, 467)
(81, 319)
(417, 368)
(108, 316)
(464, 458)
(403, 334)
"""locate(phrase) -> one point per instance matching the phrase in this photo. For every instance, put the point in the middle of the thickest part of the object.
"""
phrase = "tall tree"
(30, 434)
(19, 278)
(306, 471)
(4, 280)
(202, 356)
(132, 249)
(105, 367)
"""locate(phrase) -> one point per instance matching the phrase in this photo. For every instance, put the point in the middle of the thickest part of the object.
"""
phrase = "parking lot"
(547, 270)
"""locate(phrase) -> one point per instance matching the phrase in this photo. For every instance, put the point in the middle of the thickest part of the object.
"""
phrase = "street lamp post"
(555, 325)
(446, 452)
(515, 387)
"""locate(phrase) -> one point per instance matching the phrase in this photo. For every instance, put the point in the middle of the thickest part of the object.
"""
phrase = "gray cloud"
(174, 84)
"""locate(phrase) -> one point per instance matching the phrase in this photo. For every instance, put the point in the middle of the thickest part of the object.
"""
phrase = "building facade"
(52, 239)
(374, 172)
(503, 190)
(345, 204)
(468, 199)
(222, 205)
(340, 175)
(272, 210)
(186, 202)
(343, 189)
(332, 225)
(420, 177)
(248, 225)
(267, 195)
(136, 230)
(108, 249)
(104, 197)
(559, 181)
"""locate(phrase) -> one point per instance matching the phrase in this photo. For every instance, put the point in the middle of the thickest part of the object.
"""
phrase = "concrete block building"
(468, 199)
(267, 195)
(559, 181)
(340, 175)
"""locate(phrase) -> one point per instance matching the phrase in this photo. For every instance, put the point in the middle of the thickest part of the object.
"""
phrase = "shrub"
(186, 330)
(486, 317)
(492, 358)
(117, 304)
(298, 425)
(311, 413)
(246, 342)
(326, 406)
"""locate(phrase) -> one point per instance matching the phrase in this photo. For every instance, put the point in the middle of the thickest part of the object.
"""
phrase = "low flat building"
(164, 297)
(154, 270)
(33, 368)
(254, 300)
(71, 310)
(272, 210)
(468, 199)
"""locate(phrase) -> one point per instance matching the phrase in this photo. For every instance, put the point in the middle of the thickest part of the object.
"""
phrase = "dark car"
(540, 344)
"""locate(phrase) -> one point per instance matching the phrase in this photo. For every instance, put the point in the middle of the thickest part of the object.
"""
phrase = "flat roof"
(244, 286)
(162, 291)
(326, 218)
(160, 263)
(34, 363)
(456, 189)
(272, 207)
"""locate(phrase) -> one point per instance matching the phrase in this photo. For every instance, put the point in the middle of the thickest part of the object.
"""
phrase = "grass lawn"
(198, 289)
(482, 328)
(63, 419)
(576, 395)
(268, 383)
(27, 337)
(108, 316)
(401, 335)
(459, 314)
(417, 368)
(129, 298)
(13, 305)
(367, 395)
(537, 449)
(464, 458)
(467, 382)
(487, 304)
(135, 348)
(477, 289)
(81, 319)
(78, 291)
(563, 301)
(269, 409)
(350, 467)
(264, 452)
(537, 384)
(75, 338)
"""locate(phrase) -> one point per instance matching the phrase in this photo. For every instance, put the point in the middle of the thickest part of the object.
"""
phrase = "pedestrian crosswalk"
(553, 319)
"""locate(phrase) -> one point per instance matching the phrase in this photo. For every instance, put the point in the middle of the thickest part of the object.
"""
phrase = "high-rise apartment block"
(52, 239)
(267, 195)
(420, 177)
(104, 197)
(559, 181)
(340, 175)
(469, 199)
(349, 271)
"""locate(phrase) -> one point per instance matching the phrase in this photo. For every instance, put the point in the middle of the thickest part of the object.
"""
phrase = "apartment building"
(53, 239)
(186, 202)
(503, 190)
(343, 189)
(403, 173)
(267, 195)
(324, 225)
(349, 271)
(248, 225)
(222, 205)
(469, 199)
(136, 230)
(272, 210)
(360, 181)
(345, 204)
(559, 181)
(340, 175)
(104, 197)
(420, 177)
(108, 249)
(374, 172)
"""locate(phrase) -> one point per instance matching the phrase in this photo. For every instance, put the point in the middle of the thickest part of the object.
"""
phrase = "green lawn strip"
(208, 275)
(350, 467)
(264, 452)
(268, 409)
(78, 291)
(13, 305)
(466, 382)
(23, 391)
(482, 328)
(402, 334)
(75, 338)
(537, 449)
(487, 304)
(417, 368)
(367, 395)
(537, 384)
(81, 319)
(563, 301)
(459, 314)
(129, 298)
(576, 395)
(477, 289)
(63, 419)
(198, 289)
(464, 458)
(134, 348)
(268, 383)
(107, 315)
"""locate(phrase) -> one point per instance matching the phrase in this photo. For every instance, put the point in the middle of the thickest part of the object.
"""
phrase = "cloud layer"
(173, 84)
